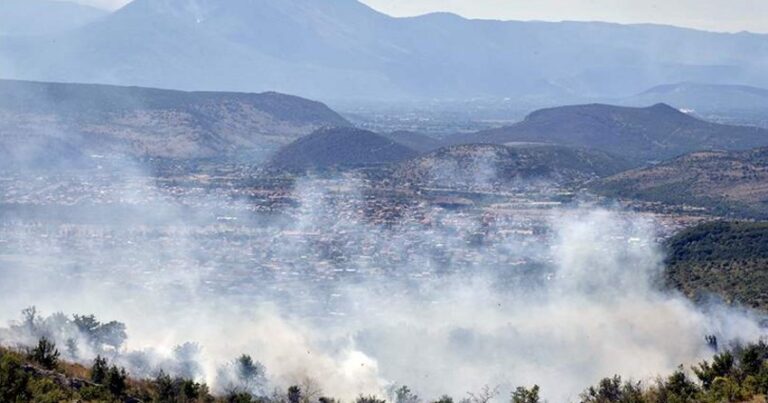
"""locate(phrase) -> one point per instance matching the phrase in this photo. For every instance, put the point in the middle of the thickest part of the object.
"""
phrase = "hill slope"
(339, 148)
(141, 122)
(417, 141)
(722, 182)
(722, 258)
(344, 49)
(489, 164)
(652, 133)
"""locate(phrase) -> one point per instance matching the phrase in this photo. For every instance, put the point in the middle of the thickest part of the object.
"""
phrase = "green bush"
(14, 381)
(45, 354)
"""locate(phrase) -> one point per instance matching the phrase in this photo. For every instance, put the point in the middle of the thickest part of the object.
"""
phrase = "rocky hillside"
(144, 122)
(642, 134)
(489, 164)
(341, 147)
(724, 183)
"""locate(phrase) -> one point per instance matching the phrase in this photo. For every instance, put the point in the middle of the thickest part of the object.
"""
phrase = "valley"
(314, 201)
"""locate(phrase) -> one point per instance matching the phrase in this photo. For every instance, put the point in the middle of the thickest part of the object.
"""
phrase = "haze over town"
(324, 201)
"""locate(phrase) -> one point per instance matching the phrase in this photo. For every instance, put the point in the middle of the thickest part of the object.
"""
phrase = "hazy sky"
(717, 15)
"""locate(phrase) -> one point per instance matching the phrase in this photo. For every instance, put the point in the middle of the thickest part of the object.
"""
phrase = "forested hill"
(726, 259)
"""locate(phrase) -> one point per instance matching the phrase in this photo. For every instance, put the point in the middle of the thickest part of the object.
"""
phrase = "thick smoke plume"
(443, 301)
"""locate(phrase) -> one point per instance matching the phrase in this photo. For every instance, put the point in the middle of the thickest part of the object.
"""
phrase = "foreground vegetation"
(37, 375)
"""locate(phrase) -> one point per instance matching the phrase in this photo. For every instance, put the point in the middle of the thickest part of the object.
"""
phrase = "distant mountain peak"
(662, 106)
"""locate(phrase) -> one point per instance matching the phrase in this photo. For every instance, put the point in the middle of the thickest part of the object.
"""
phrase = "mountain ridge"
(344, 49)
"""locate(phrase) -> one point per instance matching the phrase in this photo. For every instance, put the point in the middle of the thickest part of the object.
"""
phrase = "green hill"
(728, 259)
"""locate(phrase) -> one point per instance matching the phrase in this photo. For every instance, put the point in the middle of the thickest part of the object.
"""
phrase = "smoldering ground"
(442, 301)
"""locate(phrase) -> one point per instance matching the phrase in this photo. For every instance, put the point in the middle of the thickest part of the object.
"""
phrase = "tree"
(525, 395)
(679, 388)
(405, 395)
(45, 354)
(239, 397)
(112, 334)
(310, 390)
(485, 395)
(751, 359)
(722, 365)
(116, 380)
(612, 390)
(250, 374)
(191, 390)
(727, 390)
(444, 399)
(294, 394)
(164, 387)
(31, 320)
(99, 370)
(86, 324)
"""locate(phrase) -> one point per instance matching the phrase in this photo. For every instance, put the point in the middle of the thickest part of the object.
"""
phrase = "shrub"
(116, 381)
(369, 399)
(45, 354)
(13, 380)
(99, 370)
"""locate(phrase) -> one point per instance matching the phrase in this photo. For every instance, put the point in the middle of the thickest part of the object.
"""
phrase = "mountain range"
(334, 49)
(641, 134)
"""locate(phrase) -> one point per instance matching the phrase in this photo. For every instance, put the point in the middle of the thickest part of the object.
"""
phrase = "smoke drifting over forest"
(443, 301)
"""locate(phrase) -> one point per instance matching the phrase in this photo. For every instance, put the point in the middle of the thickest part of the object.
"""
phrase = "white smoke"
(359, 307)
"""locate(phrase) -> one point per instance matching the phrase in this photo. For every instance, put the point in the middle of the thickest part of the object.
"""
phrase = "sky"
(713, 15)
